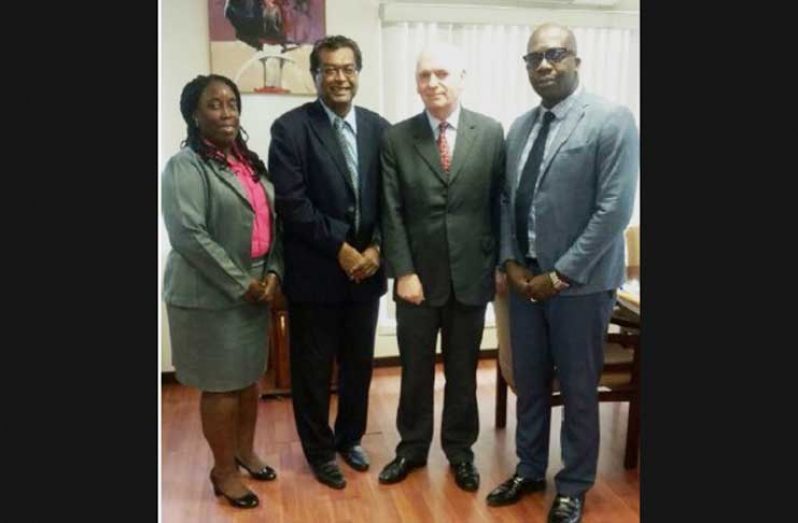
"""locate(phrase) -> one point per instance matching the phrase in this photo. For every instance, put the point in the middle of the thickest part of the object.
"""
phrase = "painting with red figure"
(264, 45)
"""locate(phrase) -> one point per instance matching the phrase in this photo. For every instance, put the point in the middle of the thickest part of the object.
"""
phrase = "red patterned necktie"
(443, 147)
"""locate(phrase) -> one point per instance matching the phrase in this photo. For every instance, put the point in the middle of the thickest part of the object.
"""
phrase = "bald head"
(440, 77)
(550, 30)
(443, 53)
(552, 64)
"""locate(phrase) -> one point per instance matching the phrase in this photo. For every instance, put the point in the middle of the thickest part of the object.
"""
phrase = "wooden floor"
(427, 495)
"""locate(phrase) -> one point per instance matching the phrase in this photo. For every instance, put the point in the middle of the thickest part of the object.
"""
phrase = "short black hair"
(332, 43)
(189, 100)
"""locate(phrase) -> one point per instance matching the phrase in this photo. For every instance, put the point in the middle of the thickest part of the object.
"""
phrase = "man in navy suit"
(324, 161)
(572, 166)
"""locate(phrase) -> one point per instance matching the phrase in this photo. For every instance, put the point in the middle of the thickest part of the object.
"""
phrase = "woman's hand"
(271, 283)
(264, 291)
(254, 292)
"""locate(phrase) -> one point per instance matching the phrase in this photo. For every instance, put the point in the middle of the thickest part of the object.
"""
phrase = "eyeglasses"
(331, 71)
(553, 56)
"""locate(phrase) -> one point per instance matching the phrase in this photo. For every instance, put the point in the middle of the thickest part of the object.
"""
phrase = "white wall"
(184, 53)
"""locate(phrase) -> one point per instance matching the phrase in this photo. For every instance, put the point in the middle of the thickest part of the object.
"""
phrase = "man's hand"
(519, 277)
(541, 288)
(369, 264)
(349, 259)
(409, 288)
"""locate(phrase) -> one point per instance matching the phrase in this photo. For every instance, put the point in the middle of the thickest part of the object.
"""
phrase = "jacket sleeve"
(618, 161)
(185, 193)
(376, 238)
(275, 263)
(395, 244)
(507, 247)
(498, 187)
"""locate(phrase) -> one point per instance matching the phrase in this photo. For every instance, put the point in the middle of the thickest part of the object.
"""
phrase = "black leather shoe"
(566, 509)
(511, 490)
(265, 474)
(466, 476)
(329, 474)
(397, 470)
(356, 458)
(248, 500)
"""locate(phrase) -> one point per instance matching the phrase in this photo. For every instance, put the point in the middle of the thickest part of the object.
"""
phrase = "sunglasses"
(553, 56)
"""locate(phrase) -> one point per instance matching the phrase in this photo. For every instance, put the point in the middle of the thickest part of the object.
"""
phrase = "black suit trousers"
(321, 334)
(461, 334)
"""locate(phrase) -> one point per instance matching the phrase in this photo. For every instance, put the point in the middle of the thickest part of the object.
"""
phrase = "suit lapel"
(320, 125)
(227, 176)
(424, 141)
(516, 147)
(466, 134)
(566, 130)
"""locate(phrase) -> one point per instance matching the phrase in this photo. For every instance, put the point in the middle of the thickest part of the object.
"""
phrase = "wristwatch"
(557, 282)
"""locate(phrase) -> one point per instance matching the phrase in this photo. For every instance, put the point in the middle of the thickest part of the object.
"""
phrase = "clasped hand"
(262, 291)
(533, 287)
(359, 266)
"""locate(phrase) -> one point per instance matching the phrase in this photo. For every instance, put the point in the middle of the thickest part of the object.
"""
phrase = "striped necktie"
(351, 163)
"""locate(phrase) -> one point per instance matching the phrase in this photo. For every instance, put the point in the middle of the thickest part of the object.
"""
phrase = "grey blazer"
(585, 195)
(209, 221)
(443, 228)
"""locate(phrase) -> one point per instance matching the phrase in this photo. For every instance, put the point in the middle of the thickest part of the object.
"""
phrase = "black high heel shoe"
(265, 474)
(248, 500)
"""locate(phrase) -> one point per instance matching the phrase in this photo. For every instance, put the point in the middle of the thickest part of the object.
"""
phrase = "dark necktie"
(526, 187)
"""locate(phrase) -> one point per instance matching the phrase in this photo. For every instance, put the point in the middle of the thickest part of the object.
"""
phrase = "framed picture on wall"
(264, 45)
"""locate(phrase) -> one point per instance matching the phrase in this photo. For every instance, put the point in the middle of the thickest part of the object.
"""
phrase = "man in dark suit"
(442, 177)
(324, 161)
(572, 168)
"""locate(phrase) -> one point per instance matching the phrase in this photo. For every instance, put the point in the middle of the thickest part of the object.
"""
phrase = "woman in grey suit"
(221, 276)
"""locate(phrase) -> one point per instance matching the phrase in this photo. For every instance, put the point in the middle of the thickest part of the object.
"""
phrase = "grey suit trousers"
(564, 334)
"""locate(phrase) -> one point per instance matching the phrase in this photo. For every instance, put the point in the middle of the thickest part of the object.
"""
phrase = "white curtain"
(496, 79)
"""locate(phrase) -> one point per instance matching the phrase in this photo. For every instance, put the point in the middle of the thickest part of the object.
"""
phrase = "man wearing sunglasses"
(572, 166)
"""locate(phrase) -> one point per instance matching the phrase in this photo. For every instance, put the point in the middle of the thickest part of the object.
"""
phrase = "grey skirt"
(220, 350)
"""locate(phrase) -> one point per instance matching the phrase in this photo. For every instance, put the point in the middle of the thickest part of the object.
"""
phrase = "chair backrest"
(633, 246)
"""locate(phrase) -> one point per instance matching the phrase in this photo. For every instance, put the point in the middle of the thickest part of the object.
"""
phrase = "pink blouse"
(256, 193)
